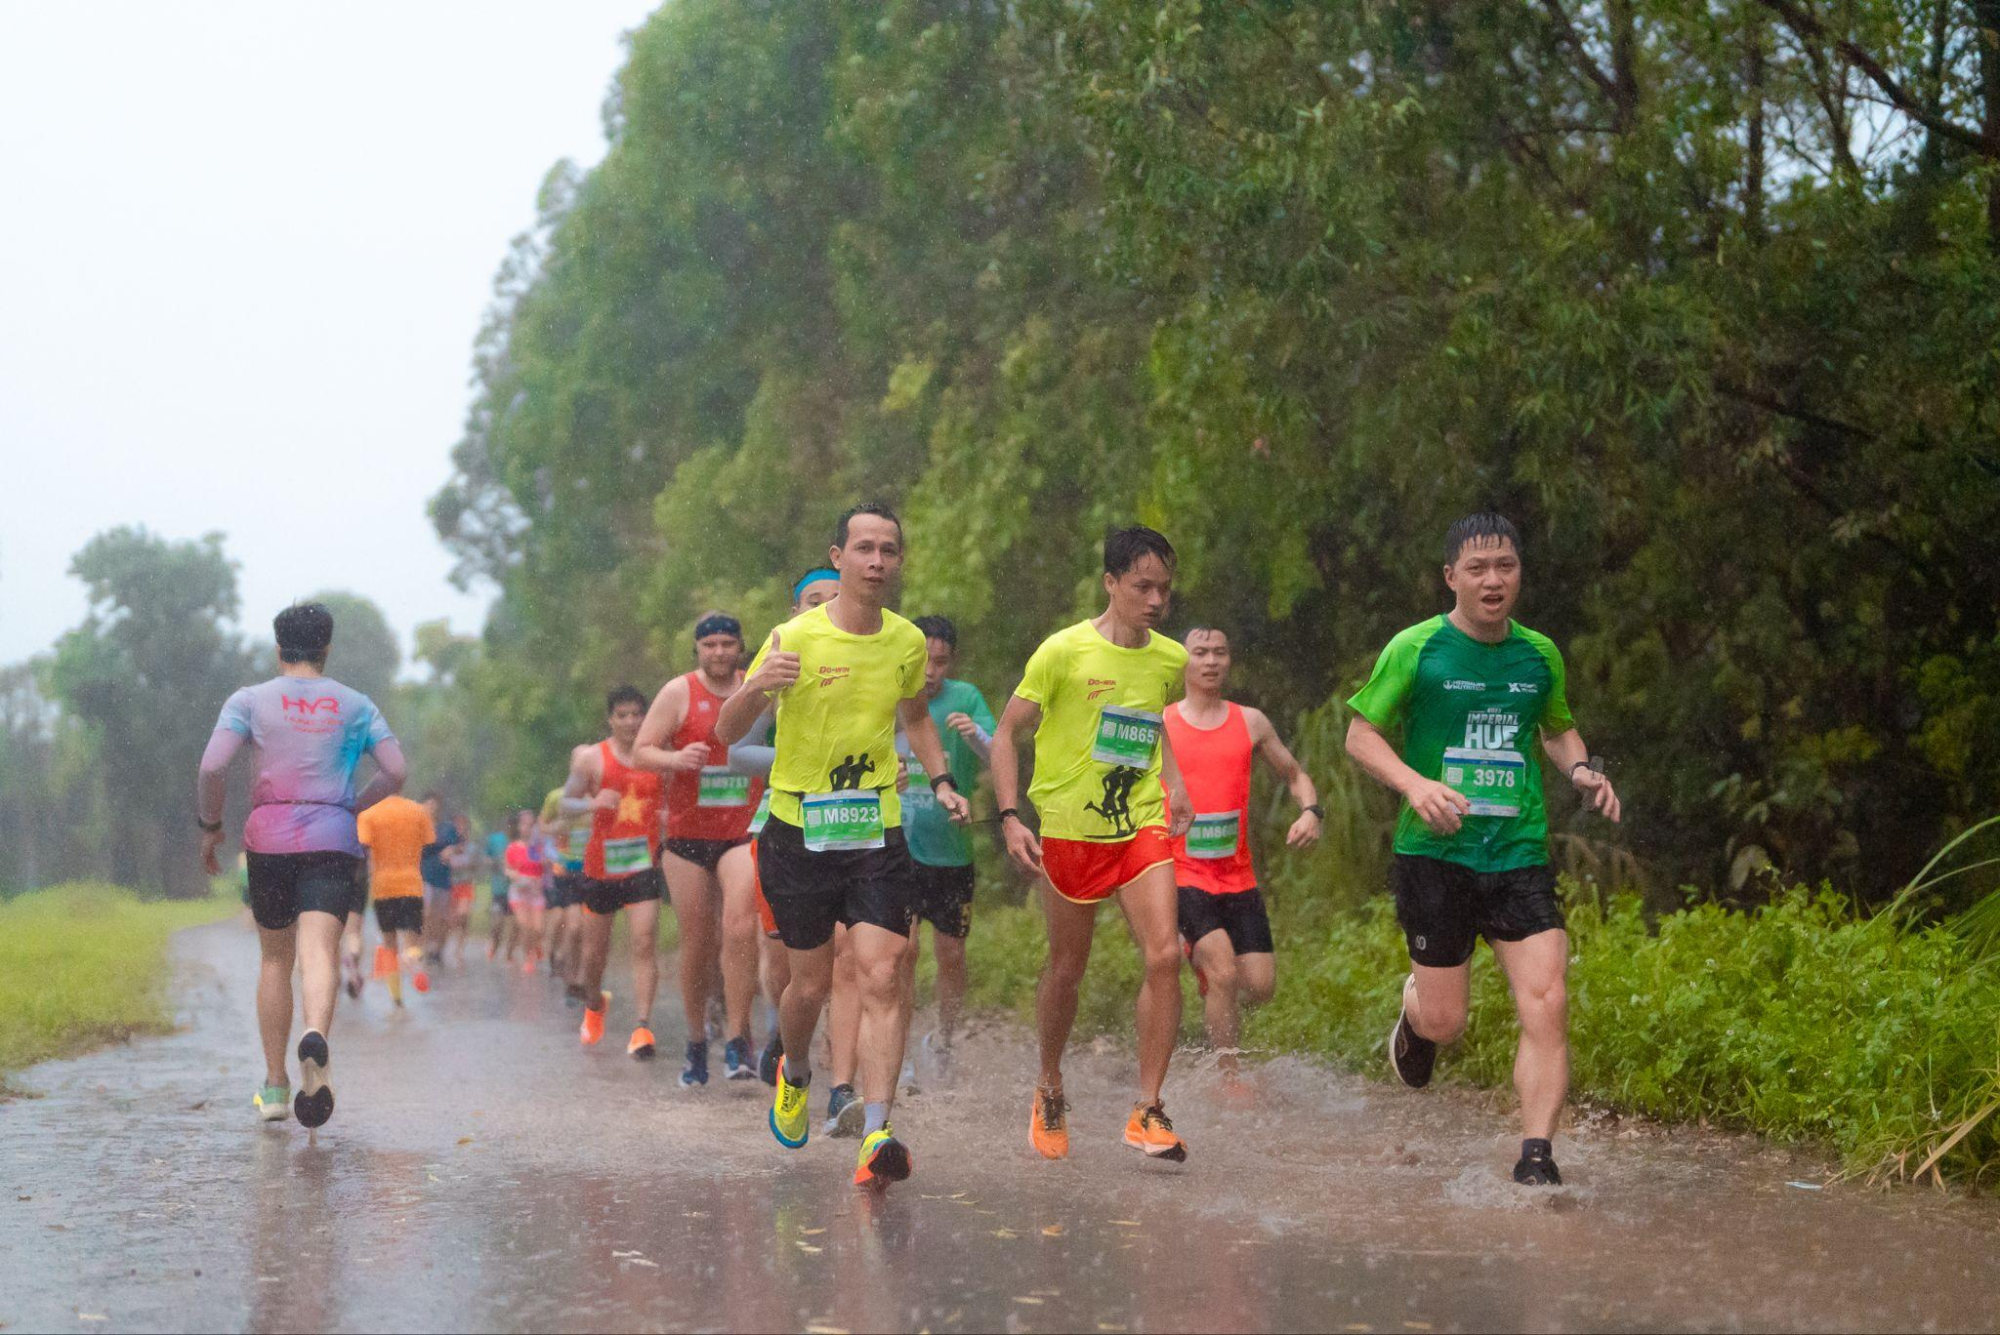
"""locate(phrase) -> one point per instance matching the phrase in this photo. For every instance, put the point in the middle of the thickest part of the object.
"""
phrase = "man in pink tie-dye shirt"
(309, 733)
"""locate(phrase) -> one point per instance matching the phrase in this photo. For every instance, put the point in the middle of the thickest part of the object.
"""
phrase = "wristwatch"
(207, 826)
(1006, 813)
(937, 779)
(1315, 810)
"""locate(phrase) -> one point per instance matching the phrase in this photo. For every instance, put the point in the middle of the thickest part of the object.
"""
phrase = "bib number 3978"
(1125, 737)
(842, 821)
(1492, 781)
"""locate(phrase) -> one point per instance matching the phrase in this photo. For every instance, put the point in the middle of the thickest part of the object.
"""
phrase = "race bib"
(839, 822)
(722, 786)
(1213, 837)
(1125, 737)
(919, 795)
(623, 857)
(763, 813)
(1491, 780)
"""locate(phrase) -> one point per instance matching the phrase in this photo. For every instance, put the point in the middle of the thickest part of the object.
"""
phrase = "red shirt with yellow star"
(624, 840)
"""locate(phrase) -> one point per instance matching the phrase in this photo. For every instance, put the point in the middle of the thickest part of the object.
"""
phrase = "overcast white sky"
(244, 249)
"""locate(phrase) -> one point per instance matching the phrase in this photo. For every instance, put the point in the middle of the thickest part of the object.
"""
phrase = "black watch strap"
(951, 779)
(1007, 813)
(208, 826)
(1316, 810)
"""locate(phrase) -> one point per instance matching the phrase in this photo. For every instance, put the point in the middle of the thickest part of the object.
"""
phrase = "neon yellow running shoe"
(791, 1122)
(884, 1159)
(273, 1103)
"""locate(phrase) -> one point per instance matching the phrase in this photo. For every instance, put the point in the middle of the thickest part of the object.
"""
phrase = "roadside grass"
(1799, 1020)
(84, 964)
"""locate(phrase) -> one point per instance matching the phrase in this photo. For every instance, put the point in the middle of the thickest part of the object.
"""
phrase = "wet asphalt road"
(483, 1172)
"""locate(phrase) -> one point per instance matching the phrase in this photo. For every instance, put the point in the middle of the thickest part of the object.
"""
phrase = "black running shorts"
(605, 898)
(284, 885)
(1240, 913)
(704, 853)
(404, 913)
(944, 899)
(565, 890)
(810, 892)
(1444, 908)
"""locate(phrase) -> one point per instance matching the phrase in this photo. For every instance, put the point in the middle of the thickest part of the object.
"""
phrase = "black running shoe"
(313, 1104)
(695, 1071)
(1537, 1170)
(1411, 1055)
(767, 1064)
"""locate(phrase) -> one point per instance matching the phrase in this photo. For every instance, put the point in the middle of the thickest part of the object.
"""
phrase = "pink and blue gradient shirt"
(310, 734)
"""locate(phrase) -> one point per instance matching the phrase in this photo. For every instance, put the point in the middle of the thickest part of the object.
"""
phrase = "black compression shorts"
(1241, 914)
(605, 898)
(704, 853)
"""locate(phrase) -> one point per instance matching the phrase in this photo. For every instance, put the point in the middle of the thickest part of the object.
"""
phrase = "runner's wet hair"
(938, 628)
(623, 695)
(1193, 631)
(876, 508)
(1124, 547)
(1480, 528)
(304, 631)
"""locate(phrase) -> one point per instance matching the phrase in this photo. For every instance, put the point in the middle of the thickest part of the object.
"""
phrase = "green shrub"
(1798, 1020)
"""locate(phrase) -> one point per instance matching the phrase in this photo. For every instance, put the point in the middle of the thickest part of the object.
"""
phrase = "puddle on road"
(485, 1172)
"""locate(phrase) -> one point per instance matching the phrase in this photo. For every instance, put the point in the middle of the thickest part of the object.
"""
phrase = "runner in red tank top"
(1224, 927)
(619, 868)
(707, 859)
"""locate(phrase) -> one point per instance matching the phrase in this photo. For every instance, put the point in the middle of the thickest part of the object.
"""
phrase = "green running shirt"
(1469, 714)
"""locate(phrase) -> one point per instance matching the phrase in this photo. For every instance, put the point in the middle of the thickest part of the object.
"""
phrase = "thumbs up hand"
(778, 670)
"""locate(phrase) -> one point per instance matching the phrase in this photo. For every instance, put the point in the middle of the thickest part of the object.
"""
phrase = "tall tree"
(146, 672)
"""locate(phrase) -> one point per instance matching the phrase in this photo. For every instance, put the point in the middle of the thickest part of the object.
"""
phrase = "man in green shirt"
(1471, 691)
(941, 848)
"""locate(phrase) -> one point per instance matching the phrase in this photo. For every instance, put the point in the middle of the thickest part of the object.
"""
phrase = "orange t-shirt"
(395, 831)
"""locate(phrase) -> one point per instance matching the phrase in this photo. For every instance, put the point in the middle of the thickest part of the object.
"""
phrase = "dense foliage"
(1799, 1020)
(1705, 296)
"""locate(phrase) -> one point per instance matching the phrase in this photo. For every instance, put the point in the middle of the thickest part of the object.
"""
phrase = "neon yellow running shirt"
(836, 725)
(1097, 749)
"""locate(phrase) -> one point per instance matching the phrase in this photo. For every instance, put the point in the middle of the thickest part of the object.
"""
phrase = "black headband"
(719, 624)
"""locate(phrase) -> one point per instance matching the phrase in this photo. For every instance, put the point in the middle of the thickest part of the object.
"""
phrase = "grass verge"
(85, 964)
(1799, 1020)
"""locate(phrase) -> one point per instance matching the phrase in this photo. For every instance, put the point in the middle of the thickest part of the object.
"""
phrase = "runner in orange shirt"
(395, 831)
(621, 870)
(1225, 930)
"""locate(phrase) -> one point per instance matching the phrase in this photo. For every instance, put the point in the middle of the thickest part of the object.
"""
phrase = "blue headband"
(813, 577)
(719, 624)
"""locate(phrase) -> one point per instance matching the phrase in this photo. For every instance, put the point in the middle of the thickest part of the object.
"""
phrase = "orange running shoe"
(420, 980)
(593, 1020)
(1148, 1129)
(385, 961)
(641, 1046)
(1048, 1124)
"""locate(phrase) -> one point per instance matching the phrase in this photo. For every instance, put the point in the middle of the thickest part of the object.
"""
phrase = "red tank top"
(625, 839)
(714, 802)
(1215, 765)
